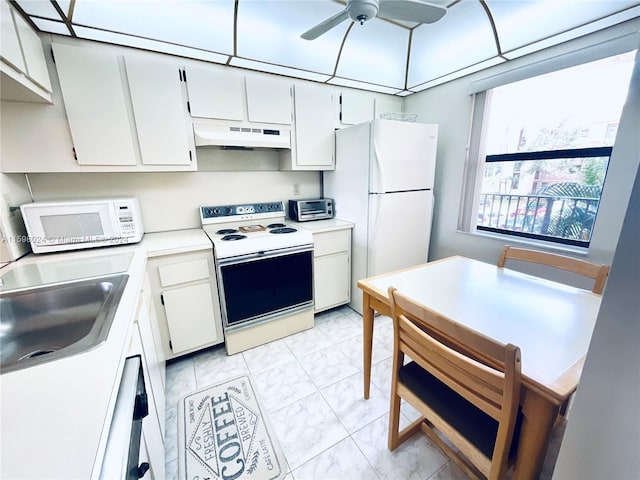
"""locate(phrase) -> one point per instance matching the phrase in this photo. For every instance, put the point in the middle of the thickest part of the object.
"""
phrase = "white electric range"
(264, 269)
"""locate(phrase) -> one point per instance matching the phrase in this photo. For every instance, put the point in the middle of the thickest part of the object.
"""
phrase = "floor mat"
(223, 433)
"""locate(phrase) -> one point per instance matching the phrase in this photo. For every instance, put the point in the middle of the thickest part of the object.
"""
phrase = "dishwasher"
(122, 455)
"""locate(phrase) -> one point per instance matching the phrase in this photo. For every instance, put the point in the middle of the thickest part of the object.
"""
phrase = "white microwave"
(76, 224)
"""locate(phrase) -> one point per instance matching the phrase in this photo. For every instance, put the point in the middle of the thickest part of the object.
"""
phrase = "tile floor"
(310, 384)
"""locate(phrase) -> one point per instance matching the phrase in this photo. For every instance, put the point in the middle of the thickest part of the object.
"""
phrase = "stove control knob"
(215, 211)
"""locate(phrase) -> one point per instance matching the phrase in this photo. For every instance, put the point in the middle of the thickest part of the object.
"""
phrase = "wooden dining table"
(551, 322)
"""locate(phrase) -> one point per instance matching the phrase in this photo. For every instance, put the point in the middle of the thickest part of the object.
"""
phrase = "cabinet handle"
(161, 299)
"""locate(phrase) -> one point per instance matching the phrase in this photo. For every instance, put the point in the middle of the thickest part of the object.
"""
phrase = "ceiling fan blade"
(411, 10)
(325, 26)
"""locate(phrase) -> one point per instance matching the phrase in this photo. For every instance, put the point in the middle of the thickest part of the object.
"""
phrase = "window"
(543, 146)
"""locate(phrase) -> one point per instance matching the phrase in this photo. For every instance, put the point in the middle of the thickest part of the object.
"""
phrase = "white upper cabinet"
(314, 127)
(268, 100)
(33, 54)
(10, 46)
(25, 77)
(159, 108)
(92, 87)
(355, 107)
(214, 93)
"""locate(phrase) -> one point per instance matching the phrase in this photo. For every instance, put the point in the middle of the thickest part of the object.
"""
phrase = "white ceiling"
(381, 55)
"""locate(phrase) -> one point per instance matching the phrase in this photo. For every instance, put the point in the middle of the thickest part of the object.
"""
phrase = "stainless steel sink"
(47, 323)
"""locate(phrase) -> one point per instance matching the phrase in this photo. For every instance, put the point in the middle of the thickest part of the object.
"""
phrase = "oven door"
(265, 285)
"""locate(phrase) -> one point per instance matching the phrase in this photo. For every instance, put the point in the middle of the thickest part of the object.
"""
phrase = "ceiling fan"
(362, 10)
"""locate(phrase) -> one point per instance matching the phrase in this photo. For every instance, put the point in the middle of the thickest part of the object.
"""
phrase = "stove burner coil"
(226, 231)
(276, 225)
(233, 237)
(283, 230)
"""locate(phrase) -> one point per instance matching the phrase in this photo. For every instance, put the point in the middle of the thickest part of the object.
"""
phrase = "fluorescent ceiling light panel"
(39, 8)
(461, 38)
(375, 52)
(207, 25)
(459, 74)
(277, 69)
(127, 40)
(64, 6)
(270, 31)
(515, 20)
(51, 26)
(346, 82)
(575, 33)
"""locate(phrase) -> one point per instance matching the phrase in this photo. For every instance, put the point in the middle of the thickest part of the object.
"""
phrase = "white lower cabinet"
(185, 297)
(332, 268)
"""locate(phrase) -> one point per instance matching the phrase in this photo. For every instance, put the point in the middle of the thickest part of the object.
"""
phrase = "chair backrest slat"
(594, 271)
(481, 385)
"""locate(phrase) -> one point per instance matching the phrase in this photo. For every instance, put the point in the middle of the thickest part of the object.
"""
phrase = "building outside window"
(544, 149)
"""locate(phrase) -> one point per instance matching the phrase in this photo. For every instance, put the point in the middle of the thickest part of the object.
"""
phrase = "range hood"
(221, 135)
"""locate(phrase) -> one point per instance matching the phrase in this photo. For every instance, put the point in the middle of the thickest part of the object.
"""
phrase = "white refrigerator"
(383, 184)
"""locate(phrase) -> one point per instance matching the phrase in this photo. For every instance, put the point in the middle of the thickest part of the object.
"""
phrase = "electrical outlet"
(296, 189)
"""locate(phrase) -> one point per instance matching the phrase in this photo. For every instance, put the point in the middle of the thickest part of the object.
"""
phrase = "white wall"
(450, 106)
(170, 201)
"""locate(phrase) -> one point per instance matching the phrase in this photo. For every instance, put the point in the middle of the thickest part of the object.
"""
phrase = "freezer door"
(403, 156)
(399, 230)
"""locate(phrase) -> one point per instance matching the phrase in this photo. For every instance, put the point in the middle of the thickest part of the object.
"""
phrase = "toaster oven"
(311, 209)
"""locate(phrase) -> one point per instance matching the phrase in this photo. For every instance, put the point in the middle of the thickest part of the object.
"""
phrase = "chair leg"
(394, 419)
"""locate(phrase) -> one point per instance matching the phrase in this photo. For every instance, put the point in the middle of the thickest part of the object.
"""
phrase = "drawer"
(326, 243)
(183, 272)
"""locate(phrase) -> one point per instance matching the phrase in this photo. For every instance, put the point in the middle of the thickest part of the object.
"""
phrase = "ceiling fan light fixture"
(362, 10)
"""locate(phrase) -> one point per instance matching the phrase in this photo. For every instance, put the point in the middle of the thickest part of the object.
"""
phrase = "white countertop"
(52, 415)
(318, 226)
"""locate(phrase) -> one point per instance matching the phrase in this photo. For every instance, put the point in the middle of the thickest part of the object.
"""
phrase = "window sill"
(526, 242)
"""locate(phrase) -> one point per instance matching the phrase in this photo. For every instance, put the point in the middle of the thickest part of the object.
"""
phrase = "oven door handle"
(250, 257)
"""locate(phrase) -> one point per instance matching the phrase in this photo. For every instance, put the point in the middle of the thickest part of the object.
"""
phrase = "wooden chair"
(472, 402)
(598, 273)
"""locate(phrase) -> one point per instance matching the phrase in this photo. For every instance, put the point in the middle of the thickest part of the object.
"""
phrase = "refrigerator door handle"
(375, 217)
(378, 185)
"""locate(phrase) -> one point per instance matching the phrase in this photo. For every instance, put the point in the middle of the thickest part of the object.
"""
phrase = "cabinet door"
(331, 280)
(33, 54)
(216, 94)
(355, 107)
(9, 44)
(268, 100)
(314, 126)
(94, 99)
(159, 110)
(190, 316)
